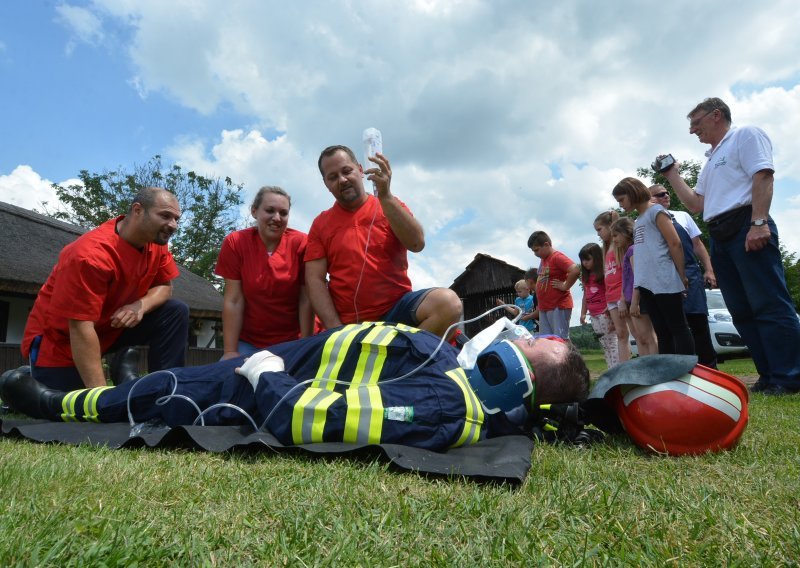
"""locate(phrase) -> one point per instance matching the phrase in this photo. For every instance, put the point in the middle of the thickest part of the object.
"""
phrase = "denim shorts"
(405, 310)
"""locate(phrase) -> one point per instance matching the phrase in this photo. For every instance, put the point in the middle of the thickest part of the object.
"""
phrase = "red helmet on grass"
(702, 411)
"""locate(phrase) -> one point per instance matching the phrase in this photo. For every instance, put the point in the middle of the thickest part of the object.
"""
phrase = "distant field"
(742, 368)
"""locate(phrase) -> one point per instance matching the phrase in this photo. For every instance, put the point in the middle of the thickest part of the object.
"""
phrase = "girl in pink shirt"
(594, 301)
(613, 280)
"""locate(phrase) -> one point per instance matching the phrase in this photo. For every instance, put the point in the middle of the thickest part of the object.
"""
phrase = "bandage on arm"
(261, 362)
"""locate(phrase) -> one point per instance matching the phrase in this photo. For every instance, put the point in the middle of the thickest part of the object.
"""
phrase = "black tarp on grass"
(504, 459)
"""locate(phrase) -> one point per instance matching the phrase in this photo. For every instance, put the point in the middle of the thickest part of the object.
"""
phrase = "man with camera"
(734, 192)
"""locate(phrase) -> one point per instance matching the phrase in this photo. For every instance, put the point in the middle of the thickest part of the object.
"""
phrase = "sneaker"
(760, 385)
(775, 390)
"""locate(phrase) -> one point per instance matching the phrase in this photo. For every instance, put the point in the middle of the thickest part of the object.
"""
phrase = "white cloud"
(24, 187)
(475, 99)
(84, 24)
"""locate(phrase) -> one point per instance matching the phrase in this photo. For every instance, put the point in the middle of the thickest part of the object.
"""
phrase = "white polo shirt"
(726, 180)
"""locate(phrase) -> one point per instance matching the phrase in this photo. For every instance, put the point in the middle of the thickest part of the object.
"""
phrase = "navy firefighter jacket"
(342, 385)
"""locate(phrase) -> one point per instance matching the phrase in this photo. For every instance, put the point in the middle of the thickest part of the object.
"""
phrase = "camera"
(663, 163)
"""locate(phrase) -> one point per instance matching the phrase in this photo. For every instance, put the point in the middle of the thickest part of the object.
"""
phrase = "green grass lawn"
(609, 504)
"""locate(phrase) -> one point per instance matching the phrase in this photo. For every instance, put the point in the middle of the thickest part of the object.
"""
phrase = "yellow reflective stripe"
(373, 355)
(68, 405)
(90, 404)
(309, 415)
(473, 418)
(364, 421)
(332, 354)
(404, 327)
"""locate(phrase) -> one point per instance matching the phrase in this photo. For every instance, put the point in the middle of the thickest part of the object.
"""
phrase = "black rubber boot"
(25, 394)
(124, 366)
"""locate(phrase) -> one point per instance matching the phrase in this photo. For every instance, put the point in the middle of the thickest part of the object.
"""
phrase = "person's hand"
(229, 355)
(673, 172)
(623, 310)
(757, 238)
(559, 285)
(380, 175)
(261, 362)
(583, 319)
(499, 302)
(129, 315)
(710, 279)
(635, 311)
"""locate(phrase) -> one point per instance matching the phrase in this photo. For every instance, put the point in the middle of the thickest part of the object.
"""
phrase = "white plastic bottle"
(373, 143)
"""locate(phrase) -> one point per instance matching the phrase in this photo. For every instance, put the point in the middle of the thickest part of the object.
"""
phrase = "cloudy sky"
(499, 117)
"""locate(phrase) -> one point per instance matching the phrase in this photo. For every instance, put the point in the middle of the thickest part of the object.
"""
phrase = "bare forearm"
(762, 194)
(86, 353)
(702, 255)
(155, 297)
(692, 200)
(676, 252)
(322, 304)
(572, 276)
(318, 294)
(404, 226)
(306, 314)
(232, 318)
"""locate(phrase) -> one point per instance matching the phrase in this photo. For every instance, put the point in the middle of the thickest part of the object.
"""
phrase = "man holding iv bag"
(357, 253)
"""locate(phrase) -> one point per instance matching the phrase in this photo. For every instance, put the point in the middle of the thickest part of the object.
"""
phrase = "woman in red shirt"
(265, 300)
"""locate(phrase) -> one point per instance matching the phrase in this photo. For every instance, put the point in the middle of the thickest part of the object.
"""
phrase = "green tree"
(791, 267)
(584, 337)
(209, 207)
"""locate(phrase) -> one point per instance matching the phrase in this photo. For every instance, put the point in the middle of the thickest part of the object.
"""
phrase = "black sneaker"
(760, 385)
(775, 390)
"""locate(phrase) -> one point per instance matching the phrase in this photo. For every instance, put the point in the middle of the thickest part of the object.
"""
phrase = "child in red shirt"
(557, 274)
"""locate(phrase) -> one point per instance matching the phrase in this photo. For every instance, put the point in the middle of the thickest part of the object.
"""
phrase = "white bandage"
(260, 362)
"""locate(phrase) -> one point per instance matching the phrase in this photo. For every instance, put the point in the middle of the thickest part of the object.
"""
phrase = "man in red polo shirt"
(361, 244)
(110, 289)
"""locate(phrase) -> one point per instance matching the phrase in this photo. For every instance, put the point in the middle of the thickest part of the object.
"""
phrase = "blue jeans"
(754, 288)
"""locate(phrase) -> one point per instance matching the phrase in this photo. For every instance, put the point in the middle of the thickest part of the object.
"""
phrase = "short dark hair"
(711, 104)
(331, 150)
(538, 238)
(564, 381)
(633, 188)
(146, 197)
(269, 189)
(531, 274)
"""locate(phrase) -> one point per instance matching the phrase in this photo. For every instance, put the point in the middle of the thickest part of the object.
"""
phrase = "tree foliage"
(209, 207)
(791, 267)
(584, 337)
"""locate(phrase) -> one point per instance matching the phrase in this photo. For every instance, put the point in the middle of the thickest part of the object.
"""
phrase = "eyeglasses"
(661, 194)
(696, 121)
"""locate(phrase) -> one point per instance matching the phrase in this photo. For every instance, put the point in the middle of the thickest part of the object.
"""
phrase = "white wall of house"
(206, 333)
(18, 311)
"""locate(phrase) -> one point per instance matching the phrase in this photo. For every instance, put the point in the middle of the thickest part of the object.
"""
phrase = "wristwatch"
(758, 222)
